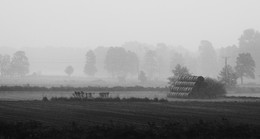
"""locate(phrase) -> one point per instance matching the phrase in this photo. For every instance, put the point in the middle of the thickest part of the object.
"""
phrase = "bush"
(45, 99)
(116, 99)
(210, 88)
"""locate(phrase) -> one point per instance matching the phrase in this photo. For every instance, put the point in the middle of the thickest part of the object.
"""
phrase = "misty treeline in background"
(132, 60)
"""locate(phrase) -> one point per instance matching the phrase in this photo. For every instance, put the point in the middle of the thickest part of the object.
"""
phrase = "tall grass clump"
(116, 99)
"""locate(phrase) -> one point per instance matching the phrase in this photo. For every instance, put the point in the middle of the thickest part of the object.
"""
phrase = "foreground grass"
(88, 112)
(201, 129)
(109, 99)
(112, 119)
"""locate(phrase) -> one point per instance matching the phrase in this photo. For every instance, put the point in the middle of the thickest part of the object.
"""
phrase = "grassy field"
(136, 113)
(38, 95)
(153, 120)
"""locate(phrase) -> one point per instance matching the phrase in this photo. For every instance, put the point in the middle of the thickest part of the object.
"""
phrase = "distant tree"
(207, 59)
(249, 42)
(229, 51)
(100, 53)
(228, 76)
(19, 64)
(115, 62)
(69, 70)
(132, 63)
(245, 66)
(5, 62)
(176, 58)
(151, 63)
(119, 63)
(90, 66)
(178, 71)
(142, 77)
(163, 57)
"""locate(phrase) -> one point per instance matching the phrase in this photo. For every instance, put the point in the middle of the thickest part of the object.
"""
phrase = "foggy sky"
(83, 23)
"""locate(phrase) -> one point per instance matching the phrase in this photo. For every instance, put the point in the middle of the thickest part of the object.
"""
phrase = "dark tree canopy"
(115, 62)
(176, 58)
(119, 62)
(249, 42)
(151, 63)
(90, 66)
(142, 77)
(5, 63)
(178, 71)
(245, 66)
(228, 76)
(231, 52)
(19, 64)
(133, 62)
(207, 59)
(69, 70)
(100, 53)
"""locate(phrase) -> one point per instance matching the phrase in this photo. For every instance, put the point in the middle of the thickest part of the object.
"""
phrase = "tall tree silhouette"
(151, 63)
(178, 71)
(176, 58)
(119, 63)
(249, 42)
(207, 59)
(20, 64)
(132, 63)
(90, 66)
(231, 52)
(100, 53)
(142, 77)
(245, 66)
(5, 63)
(228, 76)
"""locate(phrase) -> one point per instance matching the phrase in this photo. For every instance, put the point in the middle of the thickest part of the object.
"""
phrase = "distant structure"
(185, 86)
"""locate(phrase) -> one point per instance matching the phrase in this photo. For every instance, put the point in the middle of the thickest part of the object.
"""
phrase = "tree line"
(245, 67)
(119, 61)
(145, 62)
(18, 65)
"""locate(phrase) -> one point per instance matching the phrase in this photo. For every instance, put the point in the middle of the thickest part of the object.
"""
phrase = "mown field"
(137, 113)
(120, 119)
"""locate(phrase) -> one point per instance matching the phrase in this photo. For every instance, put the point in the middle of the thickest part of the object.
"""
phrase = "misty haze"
(122, 69)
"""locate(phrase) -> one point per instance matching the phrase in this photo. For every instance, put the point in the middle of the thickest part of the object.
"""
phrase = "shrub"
(210, 88)
(45, 99)
(116, 99)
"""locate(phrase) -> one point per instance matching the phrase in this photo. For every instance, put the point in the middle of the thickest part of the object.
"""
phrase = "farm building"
(185, 86)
